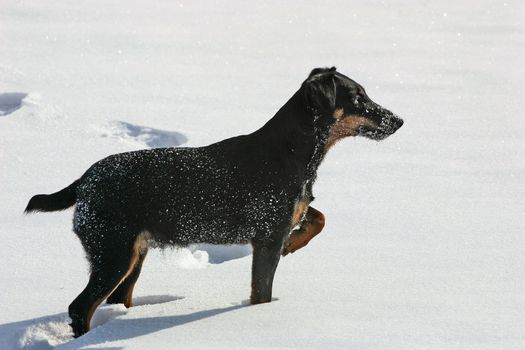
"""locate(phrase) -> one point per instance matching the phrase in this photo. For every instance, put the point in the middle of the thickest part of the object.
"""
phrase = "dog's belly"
(224, 217)
(224, 227)
(213, 232)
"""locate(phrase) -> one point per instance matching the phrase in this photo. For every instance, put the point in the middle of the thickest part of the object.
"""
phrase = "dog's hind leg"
(265, 259)
(312, 224)
(111, 264)
(123, 293)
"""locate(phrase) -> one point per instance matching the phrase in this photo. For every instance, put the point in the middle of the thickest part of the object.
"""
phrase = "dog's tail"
(60, 200)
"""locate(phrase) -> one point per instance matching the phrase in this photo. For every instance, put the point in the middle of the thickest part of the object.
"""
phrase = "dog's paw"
(295, 242)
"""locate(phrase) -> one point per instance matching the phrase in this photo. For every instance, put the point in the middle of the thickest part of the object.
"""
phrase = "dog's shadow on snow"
(53, 331)
(122, 329)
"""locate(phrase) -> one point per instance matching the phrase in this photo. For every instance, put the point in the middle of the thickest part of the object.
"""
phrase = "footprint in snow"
(143, 135)
(48, 332)
(10, 102)
(218, 254)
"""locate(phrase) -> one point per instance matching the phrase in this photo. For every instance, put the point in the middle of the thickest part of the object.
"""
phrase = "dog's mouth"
(385, 122)
(389, 124)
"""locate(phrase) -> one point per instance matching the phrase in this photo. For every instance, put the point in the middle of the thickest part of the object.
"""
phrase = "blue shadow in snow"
(151, 137)
(122, 329)
(11, 333)
(10, 102)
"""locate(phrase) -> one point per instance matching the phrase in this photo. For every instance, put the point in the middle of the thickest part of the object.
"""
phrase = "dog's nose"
(398, 123)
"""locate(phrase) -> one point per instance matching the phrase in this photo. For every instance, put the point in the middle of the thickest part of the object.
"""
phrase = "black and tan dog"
(253, 188)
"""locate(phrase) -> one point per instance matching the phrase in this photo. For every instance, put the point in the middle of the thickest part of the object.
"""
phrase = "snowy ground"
(424, 246)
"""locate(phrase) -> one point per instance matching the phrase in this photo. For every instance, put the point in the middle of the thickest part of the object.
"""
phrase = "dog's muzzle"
(388, 123)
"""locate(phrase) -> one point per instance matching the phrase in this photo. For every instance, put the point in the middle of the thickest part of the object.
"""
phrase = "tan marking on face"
(338, 113)
(299, 211)
(347, 126)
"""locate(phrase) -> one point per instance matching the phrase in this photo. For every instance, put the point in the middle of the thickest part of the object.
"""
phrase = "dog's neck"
(296, 129)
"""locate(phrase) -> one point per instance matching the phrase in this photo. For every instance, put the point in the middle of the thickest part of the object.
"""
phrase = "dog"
(254, 188)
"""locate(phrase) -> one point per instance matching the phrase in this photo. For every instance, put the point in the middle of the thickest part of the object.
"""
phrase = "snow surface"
(424, 246)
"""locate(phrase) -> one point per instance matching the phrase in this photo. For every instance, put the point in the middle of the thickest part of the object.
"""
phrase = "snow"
(423, 246)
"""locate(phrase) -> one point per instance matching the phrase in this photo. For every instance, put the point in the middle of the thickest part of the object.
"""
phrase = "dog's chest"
(301, 205)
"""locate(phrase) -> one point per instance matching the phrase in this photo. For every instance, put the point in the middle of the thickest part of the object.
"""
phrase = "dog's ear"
(320, 90)
(316, 71)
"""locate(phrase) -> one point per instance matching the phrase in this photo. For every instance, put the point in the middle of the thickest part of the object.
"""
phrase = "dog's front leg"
(312, 224)
(266, 256)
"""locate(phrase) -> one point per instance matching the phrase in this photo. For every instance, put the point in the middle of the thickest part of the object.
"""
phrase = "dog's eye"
(357, 100)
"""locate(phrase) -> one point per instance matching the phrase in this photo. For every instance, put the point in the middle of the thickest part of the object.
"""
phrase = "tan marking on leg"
(312, 225)
(140, 243)
(140, 247)
(299, 210)
(129, 300)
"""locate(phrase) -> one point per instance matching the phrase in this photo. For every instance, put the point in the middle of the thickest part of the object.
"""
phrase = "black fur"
(243, 189)
(60, 200)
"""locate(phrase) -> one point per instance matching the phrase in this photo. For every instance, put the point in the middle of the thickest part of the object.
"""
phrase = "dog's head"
(344, 108)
